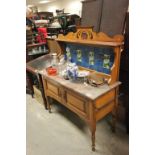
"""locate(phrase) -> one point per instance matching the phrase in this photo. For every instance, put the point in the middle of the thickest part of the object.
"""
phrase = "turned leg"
(114, 113)
(45, 95)
(48, 104)
(113, 121)
(93, 141)
(92, 124)
(93, 130)
(42, 91)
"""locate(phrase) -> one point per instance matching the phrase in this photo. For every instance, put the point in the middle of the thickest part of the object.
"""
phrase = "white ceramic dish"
(83, 73)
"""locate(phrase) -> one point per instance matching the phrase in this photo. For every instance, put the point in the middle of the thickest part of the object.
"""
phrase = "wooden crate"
(38, 95)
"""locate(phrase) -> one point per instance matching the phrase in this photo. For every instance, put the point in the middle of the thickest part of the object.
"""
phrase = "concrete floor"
(64, 133)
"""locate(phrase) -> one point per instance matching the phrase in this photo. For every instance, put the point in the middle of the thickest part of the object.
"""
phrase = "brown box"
(38, 95)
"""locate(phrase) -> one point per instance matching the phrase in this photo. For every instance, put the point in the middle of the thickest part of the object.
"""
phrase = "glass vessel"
(54, 61)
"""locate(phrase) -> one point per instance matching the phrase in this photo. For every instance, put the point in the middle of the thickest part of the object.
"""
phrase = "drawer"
(53, 88)
(76, 103)
(103, 100)
(108, 108)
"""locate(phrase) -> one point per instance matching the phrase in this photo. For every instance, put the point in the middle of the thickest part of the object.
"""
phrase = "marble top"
(84, 90)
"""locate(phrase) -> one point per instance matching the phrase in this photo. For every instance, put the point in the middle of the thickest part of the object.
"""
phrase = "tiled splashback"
(96, 58)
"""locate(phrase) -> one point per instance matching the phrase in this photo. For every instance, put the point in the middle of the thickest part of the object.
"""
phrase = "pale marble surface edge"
(87, 91)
